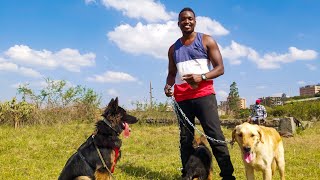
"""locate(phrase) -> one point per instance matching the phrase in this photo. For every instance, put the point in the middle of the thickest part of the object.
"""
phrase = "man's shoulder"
(208, 39)
(176, 42)
(204, 35)
(171, 48)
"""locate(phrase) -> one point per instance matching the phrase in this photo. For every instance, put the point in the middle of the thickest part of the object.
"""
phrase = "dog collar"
(109, 124)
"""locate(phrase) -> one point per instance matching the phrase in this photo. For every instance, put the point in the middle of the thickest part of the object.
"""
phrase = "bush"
(16, 113)
(54, 103)
(305, 110)
(243, 113)
(277, 111)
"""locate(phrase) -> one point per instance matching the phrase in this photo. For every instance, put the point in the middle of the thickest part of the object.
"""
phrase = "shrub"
(16, 113)
(54, 103)
(243, 113)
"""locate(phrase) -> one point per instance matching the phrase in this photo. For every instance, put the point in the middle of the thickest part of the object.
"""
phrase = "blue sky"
(117, 47)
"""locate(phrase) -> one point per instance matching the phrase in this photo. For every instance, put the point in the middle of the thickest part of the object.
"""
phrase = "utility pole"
(151, 104)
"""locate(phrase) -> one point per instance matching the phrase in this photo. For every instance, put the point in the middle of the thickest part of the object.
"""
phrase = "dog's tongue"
(248, 157)
(126, 132)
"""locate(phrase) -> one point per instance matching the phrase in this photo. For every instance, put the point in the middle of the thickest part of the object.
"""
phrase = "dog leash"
(102, 160)
(178, 109)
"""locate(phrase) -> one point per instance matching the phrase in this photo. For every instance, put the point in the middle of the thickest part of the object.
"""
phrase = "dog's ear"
(113, 104)
(261, 135)
(116, 102)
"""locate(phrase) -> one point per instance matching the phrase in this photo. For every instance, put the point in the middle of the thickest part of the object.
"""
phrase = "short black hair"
(187, 9)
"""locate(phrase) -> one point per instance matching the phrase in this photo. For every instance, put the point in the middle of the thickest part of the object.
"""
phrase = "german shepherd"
(96, 158)
(199, 165)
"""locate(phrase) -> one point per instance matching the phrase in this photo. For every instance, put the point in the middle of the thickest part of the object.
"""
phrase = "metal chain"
(176, 105)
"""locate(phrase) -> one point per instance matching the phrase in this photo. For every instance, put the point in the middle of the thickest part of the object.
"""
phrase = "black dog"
(199, 165)
(96, 158)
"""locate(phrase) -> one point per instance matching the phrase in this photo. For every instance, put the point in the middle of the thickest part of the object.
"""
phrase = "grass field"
(151, 152)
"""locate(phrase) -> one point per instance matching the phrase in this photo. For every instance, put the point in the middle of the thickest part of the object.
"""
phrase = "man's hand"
(192, 79)
(168, 90)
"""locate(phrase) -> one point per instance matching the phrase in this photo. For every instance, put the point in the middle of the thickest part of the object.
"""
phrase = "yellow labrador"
(262, 149)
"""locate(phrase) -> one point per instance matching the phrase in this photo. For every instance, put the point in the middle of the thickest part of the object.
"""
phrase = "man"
(258, 113)
(189, 71)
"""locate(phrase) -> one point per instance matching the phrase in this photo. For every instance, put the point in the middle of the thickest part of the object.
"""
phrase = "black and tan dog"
(199, 165)
(96, 158)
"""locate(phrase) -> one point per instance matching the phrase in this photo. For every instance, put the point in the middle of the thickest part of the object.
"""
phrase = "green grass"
(151, 152)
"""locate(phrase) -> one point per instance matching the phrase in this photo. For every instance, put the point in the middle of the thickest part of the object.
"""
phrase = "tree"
(233, 98)
(28, 94)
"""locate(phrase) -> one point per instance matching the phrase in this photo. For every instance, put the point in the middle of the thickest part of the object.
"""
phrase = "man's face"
(187, 22)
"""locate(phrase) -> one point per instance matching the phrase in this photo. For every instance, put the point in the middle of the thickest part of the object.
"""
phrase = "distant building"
(224, 105)
(309, 90)
(242, 103)
(272, 101)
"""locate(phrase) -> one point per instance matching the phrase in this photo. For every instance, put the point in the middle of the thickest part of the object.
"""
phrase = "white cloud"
(112, 77)
(141, 9)
(151, 39)
(29, 72)
(113, 92)
(294, 54)
(209, 26)
(297, 54)
(274, 60)
(236, 52)
(72, 60)
(69, 59)
(7, 66)
(14, 68)
(311, 67)
(155, 39)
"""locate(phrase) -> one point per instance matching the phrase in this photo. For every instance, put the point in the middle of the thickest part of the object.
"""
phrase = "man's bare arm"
(214, 56)
(172, 71)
